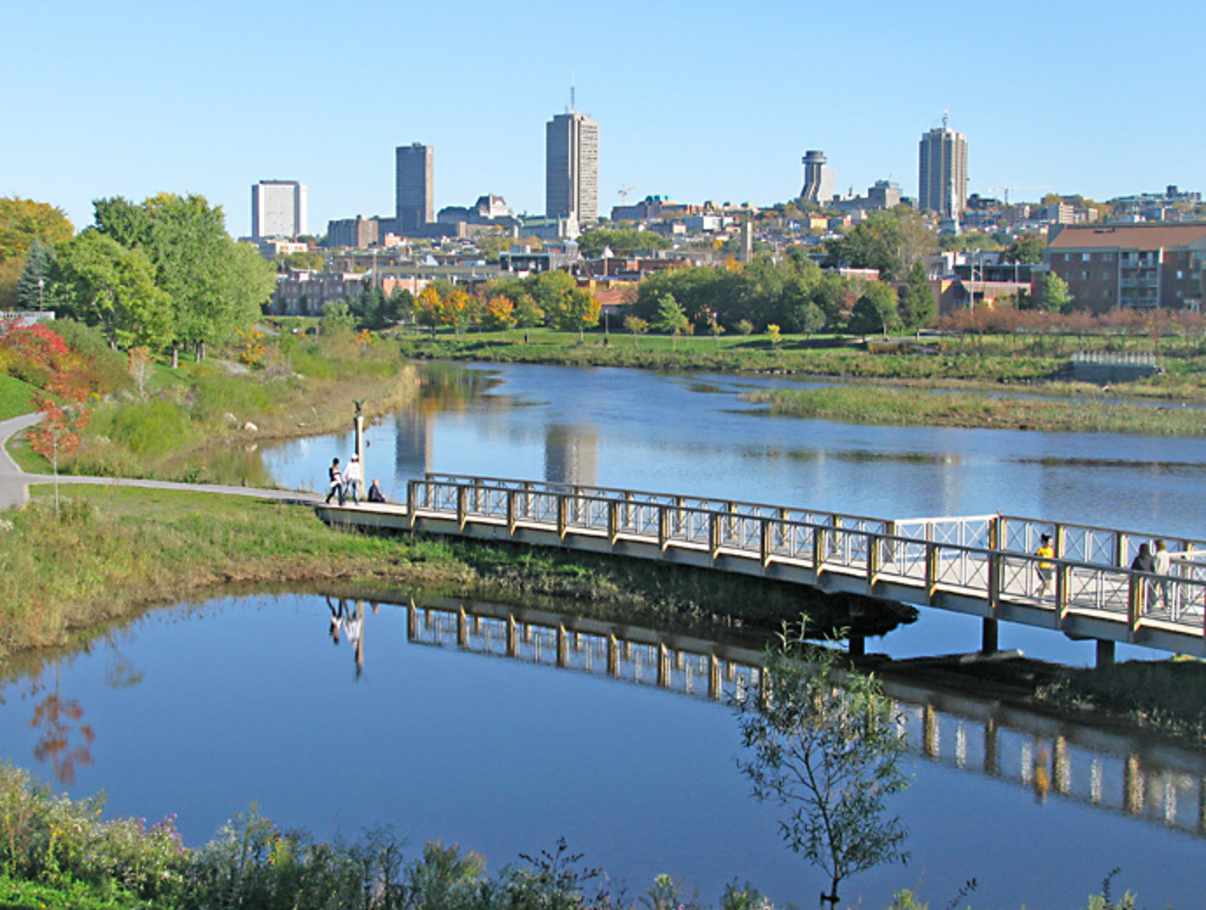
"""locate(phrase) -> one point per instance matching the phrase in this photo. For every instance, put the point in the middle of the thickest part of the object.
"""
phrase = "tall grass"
(16, 397)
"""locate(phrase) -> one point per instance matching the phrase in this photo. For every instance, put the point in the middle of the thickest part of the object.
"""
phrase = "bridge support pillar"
(613, 655)
(856, 645)
(715, 689)
(989, 636)
(1105, 654)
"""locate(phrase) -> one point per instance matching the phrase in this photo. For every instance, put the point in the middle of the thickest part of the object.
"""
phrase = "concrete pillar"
(462, 627)
(1132, 785)
(990, 747)
(512, 637)
(613, 655)
(663, 666)
(562, 647)
(358, 428)
(412, 621)
(857, 645)
(1105, 653)
(989, 636)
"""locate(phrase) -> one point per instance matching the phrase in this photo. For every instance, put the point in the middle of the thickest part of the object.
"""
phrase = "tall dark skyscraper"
(571, 168)
(414, 199)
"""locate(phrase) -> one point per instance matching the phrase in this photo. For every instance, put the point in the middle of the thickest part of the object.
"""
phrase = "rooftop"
(1129, 236)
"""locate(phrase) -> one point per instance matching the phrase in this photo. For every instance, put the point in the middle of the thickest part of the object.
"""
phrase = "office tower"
(279, 208)
(818, 177)
(571, 175)
(414, 187)
(942, 171)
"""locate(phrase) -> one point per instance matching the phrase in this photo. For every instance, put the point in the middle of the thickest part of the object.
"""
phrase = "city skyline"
(210, 119)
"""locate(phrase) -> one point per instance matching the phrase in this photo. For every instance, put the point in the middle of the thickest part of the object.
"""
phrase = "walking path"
(14, 483)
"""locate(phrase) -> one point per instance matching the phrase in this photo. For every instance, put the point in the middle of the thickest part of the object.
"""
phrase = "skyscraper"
(571, 169)
(414, 191)
(817, 177)
(279, 208)
(942, 171)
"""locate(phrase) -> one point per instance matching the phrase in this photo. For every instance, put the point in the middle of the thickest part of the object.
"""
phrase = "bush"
(146, 428)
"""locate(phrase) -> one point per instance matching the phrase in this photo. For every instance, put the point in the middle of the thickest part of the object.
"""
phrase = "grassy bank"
(203, 422)
(1168, 696)
(916, 407)
(16, 397)
(989, 359)
(116, 550)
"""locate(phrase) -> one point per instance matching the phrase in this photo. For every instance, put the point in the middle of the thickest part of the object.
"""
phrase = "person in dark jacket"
(375, 494)
(1144, 562)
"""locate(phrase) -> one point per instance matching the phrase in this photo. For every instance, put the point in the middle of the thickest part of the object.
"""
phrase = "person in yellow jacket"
(1045, 568)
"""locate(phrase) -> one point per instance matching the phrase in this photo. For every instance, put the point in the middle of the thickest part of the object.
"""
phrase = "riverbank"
(116, 551)
(204, 422)
(918, 407)
(1037, 362)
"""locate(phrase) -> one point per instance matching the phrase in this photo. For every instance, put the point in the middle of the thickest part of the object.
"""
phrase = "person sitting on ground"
(1044, 552)
(336, 478)
(353, 477)
(374, 493)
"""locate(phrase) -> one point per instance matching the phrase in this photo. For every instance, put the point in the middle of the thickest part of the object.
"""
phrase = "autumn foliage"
(42, 358)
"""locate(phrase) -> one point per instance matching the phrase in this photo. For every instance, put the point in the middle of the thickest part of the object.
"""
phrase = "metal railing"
(989, 557)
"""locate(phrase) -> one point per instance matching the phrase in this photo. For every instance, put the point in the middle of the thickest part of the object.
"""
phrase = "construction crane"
(624, 192)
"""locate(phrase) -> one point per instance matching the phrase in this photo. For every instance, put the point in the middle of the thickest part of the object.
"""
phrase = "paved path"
(14, 483)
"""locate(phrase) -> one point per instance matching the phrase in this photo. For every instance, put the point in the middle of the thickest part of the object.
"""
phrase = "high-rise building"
(414, 187)
(571, 169)
(942, 171)
(279, 208)
(818, 177)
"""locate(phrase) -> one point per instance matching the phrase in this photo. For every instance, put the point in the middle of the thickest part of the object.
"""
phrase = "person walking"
(1144, 562)
(335, 476)
(353, 477)
(1044, 553)
(1162, 562)
(374, 493)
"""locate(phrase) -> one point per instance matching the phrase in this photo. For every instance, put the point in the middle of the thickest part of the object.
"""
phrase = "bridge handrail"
(1146, 535)
(580, 487)
(881, 537)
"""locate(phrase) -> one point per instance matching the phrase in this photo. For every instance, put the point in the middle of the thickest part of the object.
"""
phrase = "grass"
(16, 397)
(990, 359)
(117, 550)
(1168, 696)
(914, 407)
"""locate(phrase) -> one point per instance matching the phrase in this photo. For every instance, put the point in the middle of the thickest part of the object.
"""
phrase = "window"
(1086, 257)
(1180, 274)
(1084, 275)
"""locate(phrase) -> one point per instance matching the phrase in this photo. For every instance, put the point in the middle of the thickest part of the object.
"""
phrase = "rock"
(251, 427)
(230, 418)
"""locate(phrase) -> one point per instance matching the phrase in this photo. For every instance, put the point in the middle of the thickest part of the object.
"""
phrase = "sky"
(695, 100)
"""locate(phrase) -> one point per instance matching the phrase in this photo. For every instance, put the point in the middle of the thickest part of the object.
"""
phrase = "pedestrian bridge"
(980, 565)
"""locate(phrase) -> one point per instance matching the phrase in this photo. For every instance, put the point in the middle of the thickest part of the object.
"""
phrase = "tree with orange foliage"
(429, 308)
(58, 433)
(454, 310)
(500, 313)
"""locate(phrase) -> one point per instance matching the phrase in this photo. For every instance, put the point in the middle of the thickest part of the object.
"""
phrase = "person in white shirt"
(353, 476)
(1163, 565)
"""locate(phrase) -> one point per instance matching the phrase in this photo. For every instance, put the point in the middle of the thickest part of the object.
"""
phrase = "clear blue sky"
(696, 100)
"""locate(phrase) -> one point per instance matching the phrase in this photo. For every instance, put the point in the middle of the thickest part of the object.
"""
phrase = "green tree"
(636, 326)
(917, 307)
(311, 260)
(875, 310)
(528, 313)
(337, 318)
(1026, 248)
(670, 320)
(825, 747)
(890, 241)
(1052, 293)
(621, 241)
(102, 283)
(399, 307)
(33, 285)
(551, 290)
(575, 312)
(22, 222)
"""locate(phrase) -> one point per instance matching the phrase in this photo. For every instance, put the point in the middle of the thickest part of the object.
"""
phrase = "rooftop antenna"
(572, 95)
(946, 118)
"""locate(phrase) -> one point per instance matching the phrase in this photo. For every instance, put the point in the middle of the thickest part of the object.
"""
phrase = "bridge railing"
(921, 557)
(1086, 543)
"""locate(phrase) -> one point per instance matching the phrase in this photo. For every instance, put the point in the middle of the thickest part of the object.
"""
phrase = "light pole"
(41, 289)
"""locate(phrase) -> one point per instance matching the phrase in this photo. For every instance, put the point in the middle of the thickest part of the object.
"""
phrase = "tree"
(826, 749)
(890, 241)
(917, 307)
(774, 335)
(745, 327)
(337, 318)
(670, 319)
(637, 326)
(428, 308)
(550, 289)
(527, 312)
(810, 318)
(22, 223)
(575, 312)
(102, 283)
(399, 307)
(875, 310)
(36, 276)
(500, 313)
(1052, 293)
(303, 260)
(1026, 248)
(454, 310)
(621, 241)
(714, 325)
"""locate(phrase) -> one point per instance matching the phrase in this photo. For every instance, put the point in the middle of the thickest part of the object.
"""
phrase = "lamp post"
(41, 289)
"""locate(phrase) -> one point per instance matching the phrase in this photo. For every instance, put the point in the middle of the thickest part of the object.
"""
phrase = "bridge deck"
(980, 565)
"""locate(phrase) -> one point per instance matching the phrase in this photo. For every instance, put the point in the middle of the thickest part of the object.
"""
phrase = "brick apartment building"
(1145, 266)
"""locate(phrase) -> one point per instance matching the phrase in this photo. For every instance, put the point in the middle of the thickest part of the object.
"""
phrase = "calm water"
(694, 434)
(203, 710)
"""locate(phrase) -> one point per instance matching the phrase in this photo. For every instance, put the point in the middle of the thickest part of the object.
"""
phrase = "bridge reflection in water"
(1109, 770)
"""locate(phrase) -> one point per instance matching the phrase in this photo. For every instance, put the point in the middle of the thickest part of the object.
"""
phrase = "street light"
(41, 288)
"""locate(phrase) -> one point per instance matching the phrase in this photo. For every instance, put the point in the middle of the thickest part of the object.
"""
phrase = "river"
(203, 710)
(693, 433)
